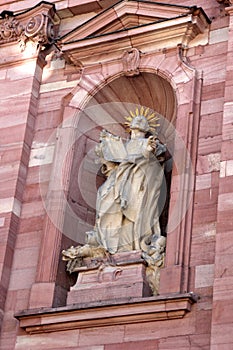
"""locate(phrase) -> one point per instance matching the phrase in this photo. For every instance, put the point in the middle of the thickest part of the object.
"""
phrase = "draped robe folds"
(127, 202)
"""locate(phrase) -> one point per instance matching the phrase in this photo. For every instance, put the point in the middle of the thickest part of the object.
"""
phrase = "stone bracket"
(36, 25)
(130, 310)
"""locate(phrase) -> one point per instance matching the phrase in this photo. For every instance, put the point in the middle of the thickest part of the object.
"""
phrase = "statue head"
(142, 119)
(140, 123)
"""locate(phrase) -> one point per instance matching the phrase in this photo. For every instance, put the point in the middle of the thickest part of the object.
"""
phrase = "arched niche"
(107, 109)
(175, 87)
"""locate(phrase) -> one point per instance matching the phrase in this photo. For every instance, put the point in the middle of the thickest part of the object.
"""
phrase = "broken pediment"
(134, 23)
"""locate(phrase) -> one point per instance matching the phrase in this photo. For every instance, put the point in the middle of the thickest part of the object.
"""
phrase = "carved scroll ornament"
(40, 29)
(37, 27)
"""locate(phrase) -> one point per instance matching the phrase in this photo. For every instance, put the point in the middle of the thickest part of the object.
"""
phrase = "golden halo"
(152, 118)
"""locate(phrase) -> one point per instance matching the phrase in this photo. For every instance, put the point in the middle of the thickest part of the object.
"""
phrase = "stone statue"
(127, 214)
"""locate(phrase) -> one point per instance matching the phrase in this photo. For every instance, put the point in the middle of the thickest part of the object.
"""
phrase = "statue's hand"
(152, 143)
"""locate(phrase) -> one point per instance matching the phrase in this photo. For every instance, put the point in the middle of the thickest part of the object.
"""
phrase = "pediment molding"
(137, 24)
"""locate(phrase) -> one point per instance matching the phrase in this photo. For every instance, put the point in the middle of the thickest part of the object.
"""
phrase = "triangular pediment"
(125, 15)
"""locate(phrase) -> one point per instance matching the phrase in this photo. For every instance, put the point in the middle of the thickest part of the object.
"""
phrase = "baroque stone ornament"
(127, 206)
(35, 25)
(10, 30)
(40, 29)
(131, 60)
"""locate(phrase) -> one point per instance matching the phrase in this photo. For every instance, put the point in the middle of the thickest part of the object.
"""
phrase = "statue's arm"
(155, 147)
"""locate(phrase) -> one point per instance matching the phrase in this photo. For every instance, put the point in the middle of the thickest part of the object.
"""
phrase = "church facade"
(70, 69)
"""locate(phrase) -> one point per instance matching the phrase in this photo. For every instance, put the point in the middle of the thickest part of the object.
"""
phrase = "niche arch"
(184, 85)
(115, 99)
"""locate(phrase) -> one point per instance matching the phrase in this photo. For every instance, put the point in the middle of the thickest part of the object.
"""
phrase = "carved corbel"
(131, 61)
(40, 29)
(35, 25)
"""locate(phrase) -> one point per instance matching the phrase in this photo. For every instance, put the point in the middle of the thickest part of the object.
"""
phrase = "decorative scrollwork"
(40, 29)
(10, 30)
(37, 27)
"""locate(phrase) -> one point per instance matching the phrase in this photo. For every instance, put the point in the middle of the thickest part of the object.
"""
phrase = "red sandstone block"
(8, 341)
(205, 197)
(48, 120)
(225, 224)
(60, 340)
(22, 279)
(212, 106)
(226, 346)
(223, 265)
(47, 136)
(11, 89)
(226, 152)
(223, 288)
(205, 214)
(224, 242)
(225, 201)
(203, 253)
(9, 323)
(50, 101)
(157, 330)
(25, 257)
(227, 132)
(137, 345)
(171, 343)
(221, 334)
(101, 335)
(31, 225)
(226, 185)
(200, 341)
(210, 125)
(8, 188)
(214, 68)
(41, 295)
(203, 322)
(12, 134)
(11, 155)
(34, 192)
(206, 298)
(204, 233)
(38, 174)
(29, 239)
(33, 209)
(210, 145)
(211, 91)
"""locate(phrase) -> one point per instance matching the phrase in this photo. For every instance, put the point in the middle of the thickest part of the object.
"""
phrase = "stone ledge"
(130, 310)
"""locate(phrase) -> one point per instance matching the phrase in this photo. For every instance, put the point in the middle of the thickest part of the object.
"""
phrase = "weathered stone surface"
(39, 99)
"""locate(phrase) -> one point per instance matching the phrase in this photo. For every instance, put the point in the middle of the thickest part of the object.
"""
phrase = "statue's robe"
(127, 203)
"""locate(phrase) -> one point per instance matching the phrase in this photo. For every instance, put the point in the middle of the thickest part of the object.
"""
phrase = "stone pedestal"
(123, 276)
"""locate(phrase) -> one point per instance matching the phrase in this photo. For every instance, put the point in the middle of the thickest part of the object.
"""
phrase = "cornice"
(166, 27)
(77, 316)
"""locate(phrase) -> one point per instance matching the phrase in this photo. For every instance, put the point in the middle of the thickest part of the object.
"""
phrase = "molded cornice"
(104, 314)
(137, 24)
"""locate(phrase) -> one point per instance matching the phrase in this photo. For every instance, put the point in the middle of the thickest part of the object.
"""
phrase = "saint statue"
(127, 211)
(127, 203)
